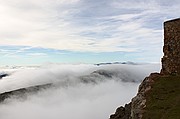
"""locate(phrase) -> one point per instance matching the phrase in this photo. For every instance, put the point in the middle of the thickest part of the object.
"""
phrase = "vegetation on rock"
(163, 100)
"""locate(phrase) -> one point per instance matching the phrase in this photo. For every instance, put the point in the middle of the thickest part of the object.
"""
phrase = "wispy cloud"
(15, 50)
(86, 25)
(37, 54)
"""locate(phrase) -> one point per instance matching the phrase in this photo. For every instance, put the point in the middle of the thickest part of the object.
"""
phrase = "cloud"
(13, 51)
(83, 25)
(37, 54)
(71, 98)
(79, 102)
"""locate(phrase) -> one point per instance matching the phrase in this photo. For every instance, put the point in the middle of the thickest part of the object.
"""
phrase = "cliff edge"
(158, 95)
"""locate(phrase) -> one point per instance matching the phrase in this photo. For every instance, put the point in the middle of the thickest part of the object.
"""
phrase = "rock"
(139, 101)
(136, 108)
(3, 75)
(122, 112)
(170, 65)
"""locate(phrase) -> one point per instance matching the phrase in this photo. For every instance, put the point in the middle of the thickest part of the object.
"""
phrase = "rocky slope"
(162, 101)
(142, 105)
(23, 92)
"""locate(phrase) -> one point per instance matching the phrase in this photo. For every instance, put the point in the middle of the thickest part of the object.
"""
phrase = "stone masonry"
(171, 49)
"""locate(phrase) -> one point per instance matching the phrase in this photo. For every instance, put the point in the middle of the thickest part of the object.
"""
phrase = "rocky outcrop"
(139, 101)
(122, 112)
(170, 65)
(136, 108)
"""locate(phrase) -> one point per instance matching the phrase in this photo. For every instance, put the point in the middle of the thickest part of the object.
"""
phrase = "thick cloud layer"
(79, 91)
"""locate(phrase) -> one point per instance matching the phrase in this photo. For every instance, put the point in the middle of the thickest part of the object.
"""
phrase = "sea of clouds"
(81, 91)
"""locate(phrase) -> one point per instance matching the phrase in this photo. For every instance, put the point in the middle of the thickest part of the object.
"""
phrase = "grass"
(163, 101)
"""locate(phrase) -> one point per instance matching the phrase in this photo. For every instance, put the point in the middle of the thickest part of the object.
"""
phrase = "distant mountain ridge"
(108, 63)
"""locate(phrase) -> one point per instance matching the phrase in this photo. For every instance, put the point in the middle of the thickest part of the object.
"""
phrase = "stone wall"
(171, 49)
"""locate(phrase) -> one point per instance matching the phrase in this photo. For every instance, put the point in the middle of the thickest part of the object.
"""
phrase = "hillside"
(158, 96)
(163, 99)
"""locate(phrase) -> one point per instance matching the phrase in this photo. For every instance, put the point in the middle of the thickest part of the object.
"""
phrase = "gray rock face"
(136, 108)
(139, 101)
(122, 112)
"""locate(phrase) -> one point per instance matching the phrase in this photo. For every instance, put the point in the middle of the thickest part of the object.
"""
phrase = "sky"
(83, 31)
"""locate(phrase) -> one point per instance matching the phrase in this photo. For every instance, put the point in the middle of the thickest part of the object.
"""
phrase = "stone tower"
(171, 49)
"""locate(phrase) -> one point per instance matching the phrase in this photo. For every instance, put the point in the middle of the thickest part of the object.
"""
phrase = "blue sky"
(83, 31)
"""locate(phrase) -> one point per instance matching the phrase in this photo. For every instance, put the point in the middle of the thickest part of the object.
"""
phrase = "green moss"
(163, 101)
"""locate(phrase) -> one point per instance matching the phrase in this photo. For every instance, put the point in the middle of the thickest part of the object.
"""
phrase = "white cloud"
(12, 53)
(71, 98)
(37, 54)
(60, 24)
